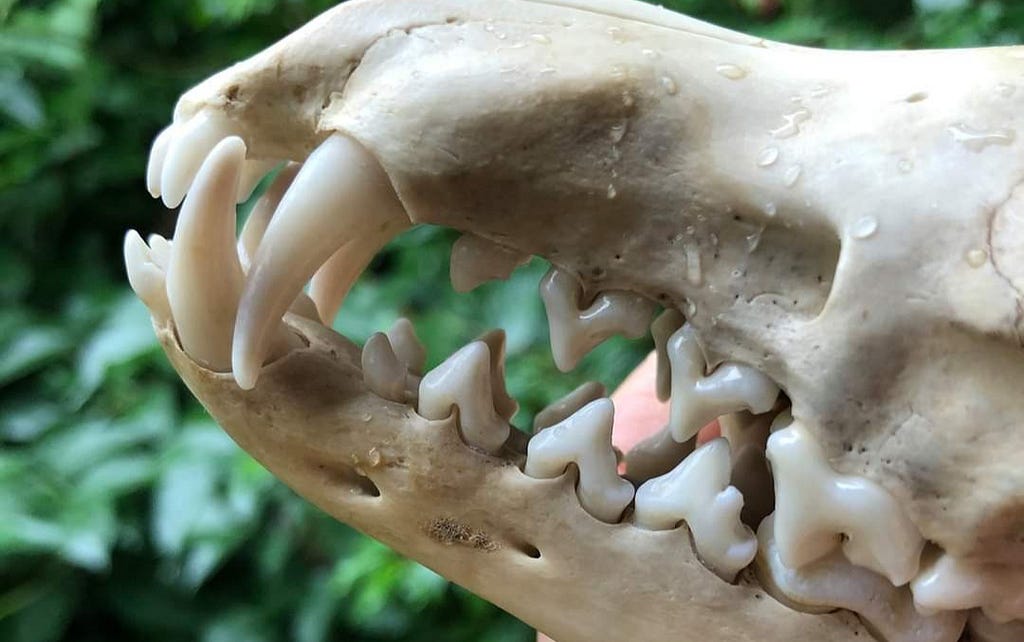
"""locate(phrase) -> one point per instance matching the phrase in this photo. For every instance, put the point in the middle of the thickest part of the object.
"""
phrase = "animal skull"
(844, 227)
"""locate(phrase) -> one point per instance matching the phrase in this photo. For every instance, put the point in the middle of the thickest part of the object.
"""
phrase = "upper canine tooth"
(984, 629)
(697, 491)
(384, 373)
(664, 327)
(560, 409)
(476, 260)
(698, 399)
(253, 172)
(157, 157)
(407, 346)
(815, 507)
(585, 439)
(464, 380)
(576, 332)
(340, 198)
(504, 404)
(951, 583)
(146, 277)
(191, 144)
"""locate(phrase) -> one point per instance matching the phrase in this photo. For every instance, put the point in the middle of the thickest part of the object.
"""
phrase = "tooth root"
(504, 404)
(256, 225)
(584, 439)
(146, 277)
(476, 260)
(407, 346)
(383, 373)
(984, 629)
(664, 327)
(697, 491)
(833, 583)
(949, 583)
(815, 507)
(253, 172)
(656, 455)
(576, 332)
(698, 400)
(340, 198)
(464, 381)
(190, 146)
(157, 157)
(561, 409)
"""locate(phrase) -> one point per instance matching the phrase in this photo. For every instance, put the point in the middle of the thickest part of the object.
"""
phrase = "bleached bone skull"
(845, 228)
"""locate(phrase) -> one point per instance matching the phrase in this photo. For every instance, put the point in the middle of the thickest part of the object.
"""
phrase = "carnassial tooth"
(407, 346)
(697, 491)
(983, 629)
(560, 409)
(817, 509)
(585, 439)
(146, 277)
(664, 327)
(191, 144)
(340, 198)
(950, 583)
(576, 332)
(253, 172)
(698, 399)
(157, 157)
(384, 373)
(504, 404)
(656, 455)
(833, 582)
(256, 225)
(464, 381)
(476, 260)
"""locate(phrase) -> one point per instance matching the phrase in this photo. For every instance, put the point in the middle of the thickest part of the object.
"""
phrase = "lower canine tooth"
(664, 327)
(983, 629)
(191, 144)
(585, 439)
(697, 491)
(950, 583)
(476, 260)
(146, 277)
(560, 409)
(576, 332)
(816, 508)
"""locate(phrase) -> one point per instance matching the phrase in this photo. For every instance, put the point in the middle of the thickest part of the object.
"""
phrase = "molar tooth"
(186, 152)
(951, 583)
(815, 507)
(157, 157)
(341, 198)
(576, 332)
(698, 399)
(146, 276)
(664, 327)
(585, 439)
(384, 373)
(464, 380)
(698, 492)
(656, 455)
(476, 260)
(407, 346)
(253, 172)
(504, 404)
(561, 409)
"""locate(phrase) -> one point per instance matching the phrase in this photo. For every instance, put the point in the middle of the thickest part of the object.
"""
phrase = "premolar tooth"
(464, 381)
(697, 491)
(476, 260)
(157, 157)
(656, 455)
(340, 198)
(561, 409)
(984, 629)
(950, 583)
(256, 225)
(253, 172)
(815, 508)
(146, 277)
(585, 439)
(504, 404)
(747, 435)
(576, 332)
(407, 346)
(664, 327)
(191, 144)
(384, 373)
(698, 399)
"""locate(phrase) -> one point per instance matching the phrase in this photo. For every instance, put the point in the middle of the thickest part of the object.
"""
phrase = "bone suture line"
(476, 260)
(564, 407)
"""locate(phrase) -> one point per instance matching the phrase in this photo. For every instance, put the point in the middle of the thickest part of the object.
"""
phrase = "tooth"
(253, 172)
(584, 439)
(576, 332)
(504, 404)
(340, 198)
(815, 508)
(697, 491)
(748, 435)
(256, 225)
(157, 157)
(146, 277)
(698, 400)
(191, 144)
(476, 260)
(950, 583)
(464, 381)
(984, 629)
(664, 327)
(833, 582)
(656, 455)
(561, 409)
(160, 250)
(383, 373)
(407, 346)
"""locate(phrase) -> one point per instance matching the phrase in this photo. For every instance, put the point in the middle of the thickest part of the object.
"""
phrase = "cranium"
(845, 228)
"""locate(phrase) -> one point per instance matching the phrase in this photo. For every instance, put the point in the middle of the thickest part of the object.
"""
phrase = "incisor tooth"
(464, 381)
(560, 409)
(585, 439)
(950, 583)
(476, 260)
(576, 332)
(157, 157)
(160, 250)
(697, 491)
(697, 400)
(384, 373)
(341, 198)
(817, 509)
(146, 277)
(984, 629)
(191, 144)
(664, 327)
(656, 455)
(407, 346)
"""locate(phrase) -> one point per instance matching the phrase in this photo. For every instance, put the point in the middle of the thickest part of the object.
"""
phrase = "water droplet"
(792, 125)
(714, 239)
(732, 72)
(669, 85)
(694, 273)
(618, 70)
(374, 457)
(367, 418)
(768, 156)
(770, 209)
(612, 192)
(617, 132)
(1005, 89)
(547, 70)
(616, 34)
(976, 258)
(691, 309)
(540, 38)
(754, 240)
(820, 91)
(792, 175)
(864, 228)
(651, 54)
(905, 165)
(976, 140)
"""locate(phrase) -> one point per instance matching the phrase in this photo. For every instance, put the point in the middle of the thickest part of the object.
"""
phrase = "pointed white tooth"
(697, 400)
(146, 277)
(697, 491)
(949, 583)
(504, 404)
(160, 250)
(664, 327)
(561, 409)
(157, 157)
(817, 509)
(656, 455)
(383, 373)
(585, 439)
(984, 629)
(340, 198)
(464, 381)
(256, 225)
(253, 172)
(476, 260)
(576, 332)
(190, 146)
(834, 583)
(407, 346)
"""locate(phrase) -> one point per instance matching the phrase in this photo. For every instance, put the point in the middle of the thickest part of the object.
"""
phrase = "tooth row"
(656, 455)
(392, 363)
(575, 332)
(950, 583)
(561, 409)
(699, 399)
(476, 260)
(983, 629)
(583, 439)
(697, 491)
(818, 510)
(833, 582)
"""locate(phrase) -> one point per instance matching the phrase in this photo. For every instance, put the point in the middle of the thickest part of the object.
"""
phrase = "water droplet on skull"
(770, 209)
(367, 418)
(612, 192)
(905, 165)
(976, 258)
(768, 156)
(864, 228)
(691, 309)
(754, 240)
(540, 39)
(616, 34)
(977, 140)
(547, 70)
(820, 91)
(651, 54)
(669, 85)
(693, 267)
(617, 132)
(792, 125)
(732, 72)
(792, 175)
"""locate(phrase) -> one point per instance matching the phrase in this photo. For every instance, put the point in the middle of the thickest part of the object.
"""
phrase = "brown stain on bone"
(451, 532)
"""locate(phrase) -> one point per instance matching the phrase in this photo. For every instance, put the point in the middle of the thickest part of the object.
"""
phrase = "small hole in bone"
(917, 96)
(530, 550)
(349, 479)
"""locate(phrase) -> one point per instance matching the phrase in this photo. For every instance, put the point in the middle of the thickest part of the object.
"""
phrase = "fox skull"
(842, 227)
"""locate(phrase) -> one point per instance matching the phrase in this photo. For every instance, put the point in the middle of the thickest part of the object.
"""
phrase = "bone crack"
(697, 491)
(476, 260)
(584, 439)
(561, 409)
(948, 583)
(698, 399)
(575, 332)
(818, 510)
(465, 381)
(661, 330)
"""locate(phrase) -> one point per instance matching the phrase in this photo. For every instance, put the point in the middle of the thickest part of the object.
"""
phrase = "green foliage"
(125, 513)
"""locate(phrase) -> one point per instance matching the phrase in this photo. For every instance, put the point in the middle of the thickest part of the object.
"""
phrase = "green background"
(125, 513)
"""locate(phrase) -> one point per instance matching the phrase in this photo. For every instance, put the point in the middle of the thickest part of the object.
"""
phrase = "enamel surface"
(948, 583)
(476, 260)
(562, 408)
